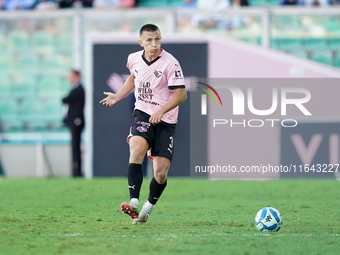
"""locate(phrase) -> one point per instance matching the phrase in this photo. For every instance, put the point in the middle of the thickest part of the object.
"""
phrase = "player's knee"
(136, 156)
(160, 177)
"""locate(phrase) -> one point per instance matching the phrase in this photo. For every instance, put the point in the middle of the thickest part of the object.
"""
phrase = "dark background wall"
(289, 155)
(111, 125)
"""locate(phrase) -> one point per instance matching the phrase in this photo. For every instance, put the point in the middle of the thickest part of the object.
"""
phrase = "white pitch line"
(75, 234)
(228, 234)
(198, 235)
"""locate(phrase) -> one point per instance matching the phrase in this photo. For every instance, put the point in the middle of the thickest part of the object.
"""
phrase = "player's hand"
(110, 100)
(156, 117)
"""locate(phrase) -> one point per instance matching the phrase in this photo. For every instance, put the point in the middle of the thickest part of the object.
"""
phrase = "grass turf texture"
(194, 216)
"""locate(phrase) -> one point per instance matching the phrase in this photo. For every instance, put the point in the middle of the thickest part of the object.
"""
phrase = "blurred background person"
(216, 5)
(291, 2)
(239, 3)
(46, 5)
(188, 4)
(72, 3)
(183, 20)
(212, 18)
(321, 3)
(74, 118)
(2, 4)
(13, 5)
(114, 4)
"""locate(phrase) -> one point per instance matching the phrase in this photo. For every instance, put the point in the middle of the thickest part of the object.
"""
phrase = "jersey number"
(171, 144)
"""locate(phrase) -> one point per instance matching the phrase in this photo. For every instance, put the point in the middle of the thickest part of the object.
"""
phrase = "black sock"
(156, 190)
(135, 179)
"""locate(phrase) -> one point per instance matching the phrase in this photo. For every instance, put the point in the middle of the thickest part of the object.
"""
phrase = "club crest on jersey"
(142, 129)
(157, 73)
(143, 126)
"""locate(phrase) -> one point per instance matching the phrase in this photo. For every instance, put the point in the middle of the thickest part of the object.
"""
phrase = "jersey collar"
(149, 63)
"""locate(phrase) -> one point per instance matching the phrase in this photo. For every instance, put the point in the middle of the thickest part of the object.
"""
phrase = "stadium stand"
(63, 43)
(312, 43)
(334, 41)
(27, 62)
(324, 57)
(6, 63)
(3, 43)
(52, 114)
(31, 114)
(55, 64)
(24, 86)
(290, 43)
(337, 60)
(19, 41)
(43, 42)
(38, 50)
(5, 87)
(159, 3)
(50, 88)
(299, 53)
(9, 115)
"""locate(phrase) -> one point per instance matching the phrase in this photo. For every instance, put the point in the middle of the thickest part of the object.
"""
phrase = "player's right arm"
(113, 99)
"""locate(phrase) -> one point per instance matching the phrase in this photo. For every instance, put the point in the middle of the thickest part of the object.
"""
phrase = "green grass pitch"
(194, 216)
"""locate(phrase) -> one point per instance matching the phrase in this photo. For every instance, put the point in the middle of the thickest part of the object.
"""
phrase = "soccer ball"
(268, 219)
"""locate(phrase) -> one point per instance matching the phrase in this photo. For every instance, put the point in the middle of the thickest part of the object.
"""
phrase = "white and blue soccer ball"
(268, 219)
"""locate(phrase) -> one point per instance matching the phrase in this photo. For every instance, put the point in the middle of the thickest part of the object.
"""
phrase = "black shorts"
(160, 137)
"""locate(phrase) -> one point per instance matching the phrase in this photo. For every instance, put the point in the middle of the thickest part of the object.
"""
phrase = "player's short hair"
(148, 28)
(76, 72)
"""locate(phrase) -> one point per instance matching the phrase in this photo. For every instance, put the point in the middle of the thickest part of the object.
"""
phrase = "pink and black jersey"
(155, 82)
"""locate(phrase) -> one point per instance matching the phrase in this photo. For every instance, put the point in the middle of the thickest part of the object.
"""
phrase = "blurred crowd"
(12, 5)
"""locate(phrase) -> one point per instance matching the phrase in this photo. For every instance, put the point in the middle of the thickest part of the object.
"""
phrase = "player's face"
(151, 42)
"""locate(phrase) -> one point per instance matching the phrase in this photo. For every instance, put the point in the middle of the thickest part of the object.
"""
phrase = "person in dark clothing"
(74, 118)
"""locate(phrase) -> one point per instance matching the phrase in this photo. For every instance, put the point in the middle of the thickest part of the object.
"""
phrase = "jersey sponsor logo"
(150, 102)
(178, 75)
(144, 91)
(157, 73)
(143, 123)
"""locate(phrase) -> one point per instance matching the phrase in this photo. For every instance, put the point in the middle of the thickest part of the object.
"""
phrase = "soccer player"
(159, 86)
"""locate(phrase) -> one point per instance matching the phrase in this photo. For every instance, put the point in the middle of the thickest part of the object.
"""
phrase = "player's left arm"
(180, 95)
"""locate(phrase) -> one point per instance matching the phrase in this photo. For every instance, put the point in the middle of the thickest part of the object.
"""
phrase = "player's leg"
(159, 181)
(141, 133)
(157, 185)
(162, 151)
(138, 148)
